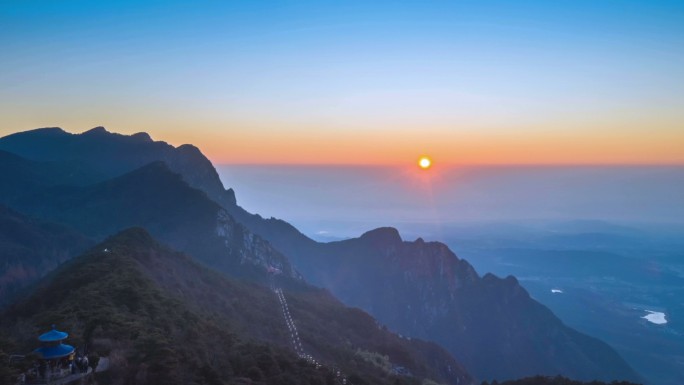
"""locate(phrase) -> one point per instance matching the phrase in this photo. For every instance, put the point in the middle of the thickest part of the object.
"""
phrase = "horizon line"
(440, 165)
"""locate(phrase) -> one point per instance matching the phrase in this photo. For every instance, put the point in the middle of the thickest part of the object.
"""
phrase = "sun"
(424, 162)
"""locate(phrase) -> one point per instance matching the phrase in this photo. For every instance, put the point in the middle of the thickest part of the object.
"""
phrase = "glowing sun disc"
(424, 162)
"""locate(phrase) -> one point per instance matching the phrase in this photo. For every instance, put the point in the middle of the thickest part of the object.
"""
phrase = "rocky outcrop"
(251, 249)
(492, 325)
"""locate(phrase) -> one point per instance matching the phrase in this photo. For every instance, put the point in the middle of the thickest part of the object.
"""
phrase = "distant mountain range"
(424, 290)
(100, 183)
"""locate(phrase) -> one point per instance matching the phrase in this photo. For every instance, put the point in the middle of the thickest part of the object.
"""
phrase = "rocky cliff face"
(249, 248)
(153, 197)
(490, 324)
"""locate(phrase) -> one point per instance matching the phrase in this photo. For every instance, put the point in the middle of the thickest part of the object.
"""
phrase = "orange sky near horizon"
(546, 83)
(456, 147)
(306, 146)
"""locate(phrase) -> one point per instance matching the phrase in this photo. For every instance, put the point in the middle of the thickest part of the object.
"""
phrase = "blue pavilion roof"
(53, 335)
(52, 352)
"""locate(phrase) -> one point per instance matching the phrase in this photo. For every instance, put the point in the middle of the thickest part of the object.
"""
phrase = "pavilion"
(55, 354)
(53, 348)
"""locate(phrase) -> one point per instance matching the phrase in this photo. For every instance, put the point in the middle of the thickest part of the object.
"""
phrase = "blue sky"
(244, 72)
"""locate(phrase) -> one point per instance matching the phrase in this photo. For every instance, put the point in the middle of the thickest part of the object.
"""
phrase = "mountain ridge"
(111, 154)
(153, 197)
(421, 263)
(151, 314)
(424, 290)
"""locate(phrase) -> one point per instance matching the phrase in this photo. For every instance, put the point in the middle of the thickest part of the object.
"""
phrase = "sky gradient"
(510, 82)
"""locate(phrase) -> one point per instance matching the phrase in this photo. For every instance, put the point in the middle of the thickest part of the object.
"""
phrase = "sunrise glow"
(424, 162)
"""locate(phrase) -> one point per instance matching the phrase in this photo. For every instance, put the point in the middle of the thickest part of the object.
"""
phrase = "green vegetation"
(7, 372)
(30, 248)
(161, 318)
(105, 302)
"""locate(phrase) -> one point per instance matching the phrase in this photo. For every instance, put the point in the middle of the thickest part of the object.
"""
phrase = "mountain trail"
(297, 342)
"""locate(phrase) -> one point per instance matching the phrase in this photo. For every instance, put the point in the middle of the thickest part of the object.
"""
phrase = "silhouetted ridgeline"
(419, 289)
(98, 155)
